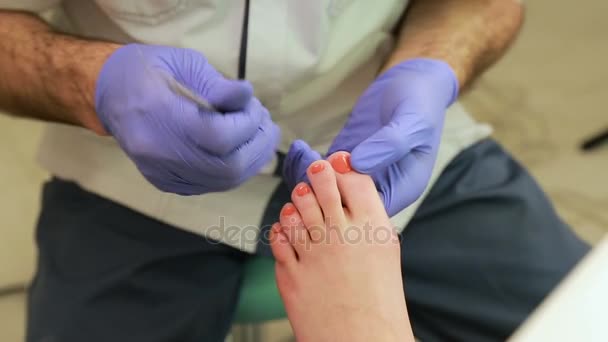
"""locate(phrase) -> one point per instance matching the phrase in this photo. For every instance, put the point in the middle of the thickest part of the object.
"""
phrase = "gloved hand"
(297, 160)
(176, 145)
(394, 130)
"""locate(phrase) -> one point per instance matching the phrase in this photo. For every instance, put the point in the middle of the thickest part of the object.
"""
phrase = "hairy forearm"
(469, 35)
(48, 75)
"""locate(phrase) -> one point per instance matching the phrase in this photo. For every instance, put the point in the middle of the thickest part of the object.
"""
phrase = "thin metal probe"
(176, 86)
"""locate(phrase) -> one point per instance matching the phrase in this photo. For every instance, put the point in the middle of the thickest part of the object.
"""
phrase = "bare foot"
(338, 260)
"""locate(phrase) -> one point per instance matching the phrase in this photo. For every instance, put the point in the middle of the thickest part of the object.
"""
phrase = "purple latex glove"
(299, 157)
(178, 146)
(393, 131)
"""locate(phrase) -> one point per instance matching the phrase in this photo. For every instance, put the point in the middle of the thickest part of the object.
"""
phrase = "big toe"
(358, 192)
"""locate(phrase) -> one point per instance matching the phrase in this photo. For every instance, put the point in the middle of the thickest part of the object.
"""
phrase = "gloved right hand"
(176, 145)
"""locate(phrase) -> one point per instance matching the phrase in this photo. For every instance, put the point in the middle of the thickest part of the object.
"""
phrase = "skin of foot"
(338, 259)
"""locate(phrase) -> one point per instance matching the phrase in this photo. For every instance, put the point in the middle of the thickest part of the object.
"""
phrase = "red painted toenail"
(341, 163)
(302, 189)
(317, 167)
(288, 210)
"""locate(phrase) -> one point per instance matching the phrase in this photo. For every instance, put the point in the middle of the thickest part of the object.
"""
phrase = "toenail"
(341, 163)
(302, 189)
(317, 167)
(288, 210)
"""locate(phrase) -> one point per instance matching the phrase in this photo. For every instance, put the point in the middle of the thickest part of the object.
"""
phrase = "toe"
(323, 181)
(310, 211)
(294, 229)
(282, 249)
(358, 192)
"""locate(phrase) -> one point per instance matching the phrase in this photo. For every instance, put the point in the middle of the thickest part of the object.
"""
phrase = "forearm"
(469, 35)
(47, 75)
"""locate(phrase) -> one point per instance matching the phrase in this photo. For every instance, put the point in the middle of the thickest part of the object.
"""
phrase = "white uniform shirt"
(308, 62)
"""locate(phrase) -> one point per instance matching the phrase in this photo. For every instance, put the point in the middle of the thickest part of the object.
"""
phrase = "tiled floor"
(543, 99)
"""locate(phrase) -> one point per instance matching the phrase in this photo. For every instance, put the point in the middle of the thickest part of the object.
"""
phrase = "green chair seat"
(259, 299)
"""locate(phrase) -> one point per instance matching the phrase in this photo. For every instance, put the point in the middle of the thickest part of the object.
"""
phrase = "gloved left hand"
(393, 132)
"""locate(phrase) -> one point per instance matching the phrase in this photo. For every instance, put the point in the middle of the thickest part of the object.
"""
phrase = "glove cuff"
(441, 72)
(104, 81)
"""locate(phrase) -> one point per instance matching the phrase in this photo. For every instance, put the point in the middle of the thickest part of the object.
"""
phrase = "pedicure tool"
(177, 87)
